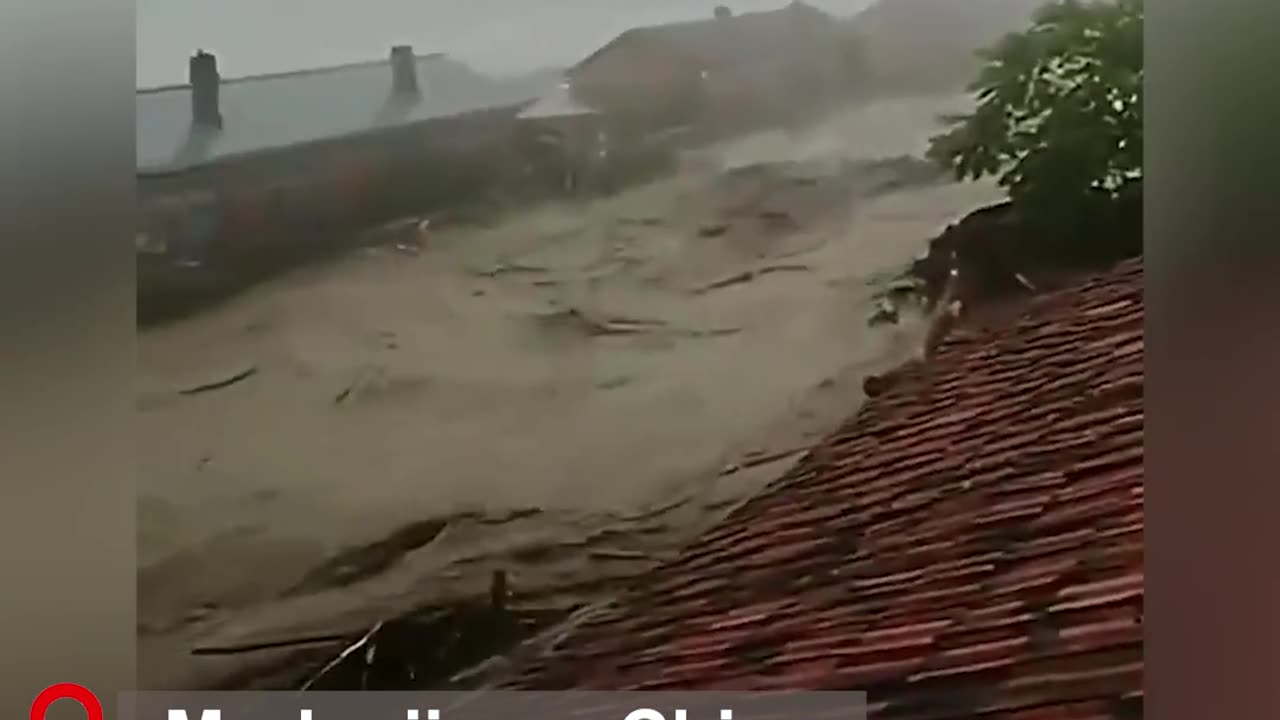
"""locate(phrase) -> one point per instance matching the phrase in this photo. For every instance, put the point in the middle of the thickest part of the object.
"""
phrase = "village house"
(726, 70)
(563, 139)
(573, 149)
(235, 167)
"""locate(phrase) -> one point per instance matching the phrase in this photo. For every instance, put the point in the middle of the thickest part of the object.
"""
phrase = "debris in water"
(758, 458)
(904, 285)
(222, 383)
(738, 279)
(748, 276)
(346, 652)
(644, 221)
(365, 561)
(716, 230)
(618, 554)
(430, 647)
(575, 319)
(713, 332)
(498, 593)
(886, 313)
(612, 383)
(286, 643)
(503, 268)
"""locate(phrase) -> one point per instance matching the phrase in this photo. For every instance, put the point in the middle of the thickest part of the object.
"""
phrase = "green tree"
(1059, 114)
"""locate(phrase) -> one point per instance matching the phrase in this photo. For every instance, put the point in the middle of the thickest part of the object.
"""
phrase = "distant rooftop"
(278, 110)
(969, 544)
(737, 39)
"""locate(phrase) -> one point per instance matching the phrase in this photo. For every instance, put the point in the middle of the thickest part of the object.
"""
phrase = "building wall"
(273, 201)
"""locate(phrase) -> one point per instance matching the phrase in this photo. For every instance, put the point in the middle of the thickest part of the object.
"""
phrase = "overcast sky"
(501, 36)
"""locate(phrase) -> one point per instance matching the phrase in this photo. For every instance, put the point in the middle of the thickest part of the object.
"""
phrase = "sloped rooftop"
(274, 111)
(969, 544)
(745, 39)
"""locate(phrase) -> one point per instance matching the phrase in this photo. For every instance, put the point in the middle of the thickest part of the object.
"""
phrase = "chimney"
(723, 12)
(404, 72)
(203, 75)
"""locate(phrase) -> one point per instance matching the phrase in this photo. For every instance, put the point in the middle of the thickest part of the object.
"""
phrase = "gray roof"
(273, 111)
(739, 40)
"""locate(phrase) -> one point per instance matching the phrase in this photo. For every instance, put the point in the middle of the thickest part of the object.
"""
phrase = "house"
(564, 139)
(228, 168)
(577, 150)
(969, 544)
(755, 66)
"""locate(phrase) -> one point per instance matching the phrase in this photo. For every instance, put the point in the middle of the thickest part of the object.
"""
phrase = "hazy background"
(498, 36)
(68, 379)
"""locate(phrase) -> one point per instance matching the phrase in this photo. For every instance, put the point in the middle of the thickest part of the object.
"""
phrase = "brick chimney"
(203, 75)
(404, 72)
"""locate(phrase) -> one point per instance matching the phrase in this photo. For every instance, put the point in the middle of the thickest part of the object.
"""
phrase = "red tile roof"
(969, 544)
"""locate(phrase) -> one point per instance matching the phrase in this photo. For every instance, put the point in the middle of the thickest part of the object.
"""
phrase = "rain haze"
(549, 347)
(494, 36)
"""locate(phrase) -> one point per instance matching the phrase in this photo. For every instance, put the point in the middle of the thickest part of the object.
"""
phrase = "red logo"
(70, 691)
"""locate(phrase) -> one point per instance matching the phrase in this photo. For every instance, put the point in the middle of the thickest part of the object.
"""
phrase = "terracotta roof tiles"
(968, 544)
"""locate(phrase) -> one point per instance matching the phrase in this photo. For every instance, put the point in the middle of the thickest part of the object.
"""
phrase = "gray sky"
(501, 36)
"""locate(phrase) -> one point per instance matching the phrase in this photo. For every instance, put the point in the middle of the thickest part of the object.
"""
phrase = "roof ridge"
(288, 73)
(660, 29)
(711, 20)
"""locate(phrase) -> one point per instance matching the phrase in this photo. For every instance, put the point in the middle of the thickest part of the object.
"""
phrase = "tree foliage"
(1059, 114)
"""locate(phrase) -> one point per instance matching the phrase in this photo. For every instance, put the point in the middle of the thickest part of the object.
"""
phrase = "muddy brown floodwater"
(566, 396)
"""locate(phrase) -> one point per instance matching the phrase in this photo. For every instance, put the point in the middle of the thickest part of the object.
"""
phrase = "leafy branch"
(1058, 121)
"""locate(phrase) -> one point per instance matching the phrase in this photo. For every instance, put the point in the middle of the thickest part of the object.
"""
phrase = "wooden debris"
(643, 221)
(738, 279)
(346, 652)
(749, 275)
(783, 267)
(221, 383)
(498, 591)
(237, 649)
(712, 332)
(593, 326)
(757, 459)
(618, 554)
(503, 268)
